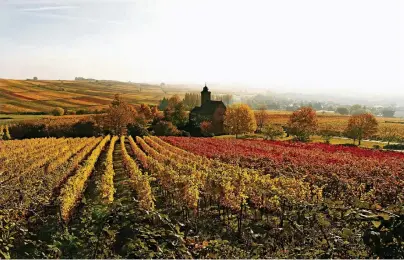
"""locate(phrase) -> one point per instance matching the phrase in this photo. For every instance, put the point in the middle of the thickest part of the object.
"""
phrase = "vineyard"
(337, 124)
(22, 96)
(176, 197)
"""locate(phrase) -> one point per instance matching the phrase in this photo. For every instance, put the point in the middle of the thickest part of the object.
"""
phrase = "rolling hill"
(18, 96)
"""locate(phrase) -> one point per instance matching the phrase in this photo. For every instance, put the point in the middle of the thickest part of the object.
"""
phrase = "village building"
(210, 110)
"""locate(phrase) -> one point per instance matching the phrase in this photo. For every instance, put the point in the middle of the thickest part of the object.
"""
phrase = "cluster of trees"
(359, 109)
(226, 98)
(192, 100)
(276, 102)
(302, 124)
(122, 116)
(81, 78)
(172, 121)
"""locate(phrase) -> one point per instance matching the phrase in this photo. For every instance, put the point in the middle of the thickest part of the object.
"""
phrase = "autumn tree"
(261, 117)
(164, 128)
(144, 114)
(155, 111)
(361, 126)
(272, 132)
(176, 112)
(145, 110)
(119, 115)
(303, 123)
(239, 119)
(389, 133)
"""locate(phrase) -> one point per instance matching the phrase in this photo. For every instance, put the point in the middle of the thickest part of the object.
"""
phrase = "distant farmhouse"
(210, 110)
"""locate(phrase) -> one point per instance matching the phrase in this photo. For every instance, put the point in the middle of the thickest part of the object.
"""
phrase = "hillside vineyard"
(183, 197)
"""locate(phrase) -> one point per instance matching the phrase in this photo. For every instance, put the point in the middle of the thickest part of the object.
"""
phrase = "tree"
(389, 133)
(262, 117)
(119, 115)
(226, 98)
(388, 112)
(164, 128)
(58, 111)
(192, 100)
(361, 126)
(303, 123)
(174, 100)
(155, 112)
(136, 129)
(145, 110)
(357, 109)
(176, 112)
(239, 119)
(163, 104)
(35, 78)
(272, 132)
(342, 110)
(144, 114)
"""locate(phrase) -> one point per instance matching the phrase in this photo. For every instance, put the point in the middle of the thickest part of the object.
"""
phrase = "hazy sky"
(288, 44)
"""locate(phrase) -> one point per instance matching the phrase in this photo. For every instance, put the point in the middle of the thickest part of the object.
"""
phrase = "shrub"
(272, 131)
(28, 130)
(164, 128)
(326, 135)
(85, 129)
(137, 129)
(349, 145)
(82, 112)
(58, 111)
(394, 146)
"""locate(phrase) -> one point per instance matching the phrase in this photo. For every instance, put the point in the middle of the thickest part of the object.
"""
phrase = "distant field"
(7, 119)
(335, 122)
(44, 95)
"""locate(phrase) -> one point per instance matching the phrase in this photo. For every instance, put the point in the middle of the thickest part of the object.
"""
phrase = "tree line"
(192, 100)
